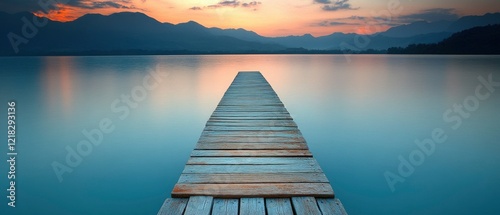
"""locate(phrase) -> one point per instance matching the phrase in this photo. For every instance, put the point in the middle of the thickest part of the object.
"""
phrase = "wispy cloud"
(87, 4)
(329, 5)
(230, 3)
(195, 8)
(352, 20)
(360, 21)
(430, 15)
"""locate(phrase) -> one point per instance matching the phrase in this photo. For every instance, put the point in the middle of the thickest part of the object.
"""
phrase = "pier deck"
(252, 159)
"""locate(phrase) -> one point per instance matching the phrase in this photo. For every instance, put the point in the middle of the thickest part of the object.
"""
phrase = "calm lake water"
(361, 118)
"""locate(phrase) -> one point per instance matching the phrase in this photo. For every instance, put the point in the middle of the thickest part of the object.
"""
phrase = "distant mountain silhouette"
(121, 32)
(417, 28)
(137, 33)
(423, 27)
(478, 40)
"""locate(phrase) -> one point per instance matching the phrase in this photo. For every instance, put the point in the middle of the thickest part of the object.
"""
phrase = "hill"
(478, 40)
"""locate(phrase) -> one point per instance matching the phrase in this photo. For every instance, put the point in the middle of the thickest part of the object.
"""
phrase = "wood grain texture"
(305, 205)
(251, 153)
(251, 147)
(226, 206)
(199, 205)
(252, 161)
(249, 178)
(278, 206)
(250, 139)
(173, 206)
(331, 206)
(275, 190)
(285, 168)
(252, 206)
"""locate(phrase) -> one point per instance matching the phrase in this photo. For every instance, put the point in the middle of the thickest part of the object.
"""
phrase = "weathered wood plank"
(272, 190)
(246, 139)
(225, 207)
(252, 146)
(251, 153)
(242, 178)
(305, 205)
(242, 104)
(331, 206)
(283, 133)
(278, 206)
(250, 114)
(252, 206)
(252, 123)
(252, 168)
(251, 109)
(199, 205)
(251, 160)
(250, 118)
(173, 206)
(248, 128)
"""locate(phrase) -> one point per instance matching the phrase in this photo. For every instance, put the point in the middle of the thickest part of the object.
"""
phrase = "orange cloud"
(63, 13)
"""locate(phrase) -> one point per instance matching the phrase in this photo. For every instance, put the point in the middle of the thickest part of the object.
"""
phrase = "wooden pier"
(252, 159)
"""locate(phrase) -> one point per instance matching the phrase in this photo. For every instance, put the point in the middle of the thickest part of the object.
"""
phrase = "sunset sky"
(273, 18)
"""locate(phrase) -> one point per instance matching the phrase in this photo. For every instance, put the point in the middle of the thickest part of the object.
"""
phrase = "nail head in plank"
(252, 206)
(278, 206)
(225, 207)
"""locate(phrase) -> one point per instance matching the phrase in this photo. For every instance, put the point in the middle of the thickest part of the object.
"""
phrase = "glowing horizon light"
(278, 18)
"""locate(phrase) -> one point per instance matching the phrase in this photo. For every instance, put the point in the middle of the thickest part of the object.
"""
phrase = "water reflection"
(357, 117)
(60, 77)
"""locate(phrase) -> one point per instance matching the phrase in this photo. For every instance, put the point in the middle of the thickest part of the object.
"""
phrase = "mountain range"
(477, 40)
(133, 33)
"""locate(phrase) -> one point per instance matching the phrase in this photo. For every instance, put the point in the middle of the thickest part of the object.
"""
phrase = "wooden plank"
(252, 206)
(305, 205)
(199, 205)
(331, 206)
(221, 133)
(251, 153)
(251, 168)
(251, 160)
(251, 146)
(231, 109)
(225, 207)
(252, 123)
(278, 206)
(242, 178)
(250, 114)
(173, 206)
(250, 118)
(244, 104)
(246, 139)
(271, 190)
(249, 128)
